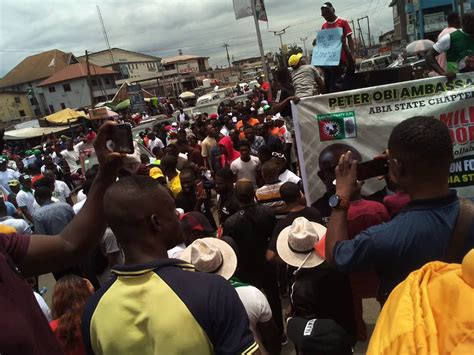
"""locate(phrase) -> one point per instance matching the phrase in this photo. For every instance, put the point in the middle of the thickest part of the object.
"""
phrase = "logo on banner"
(336, 126)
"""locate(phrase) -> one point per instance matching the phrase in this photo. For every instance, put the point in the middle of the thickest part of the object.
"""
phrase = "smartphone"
(121, 139)
(372, 168)
(199, 188)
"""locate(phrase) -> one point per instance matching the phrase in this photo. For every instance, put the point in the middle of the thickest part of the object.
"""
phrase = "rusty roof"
(76, 71)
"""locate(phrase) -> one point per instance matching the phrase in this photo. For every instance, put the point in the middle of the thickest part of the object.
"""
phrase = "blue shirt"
(416, 236)
(52, 218)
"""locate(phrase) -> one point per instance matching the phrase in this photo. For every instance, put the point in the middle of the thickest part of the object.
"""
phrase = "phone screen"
(121, 140)
(372, 168)
(199, 188)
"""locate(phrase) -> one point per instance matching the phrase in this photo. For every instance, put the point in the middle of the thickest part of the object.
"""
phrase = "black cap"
(327, 4)
(319, 336)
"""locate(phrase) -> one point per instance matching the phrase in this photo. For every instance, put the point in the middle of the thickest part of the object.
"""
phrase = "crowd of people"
(197, 247)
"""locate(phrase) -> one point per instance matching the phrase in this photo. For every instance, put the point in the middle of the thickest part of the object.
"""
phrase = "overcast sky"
(161, 27)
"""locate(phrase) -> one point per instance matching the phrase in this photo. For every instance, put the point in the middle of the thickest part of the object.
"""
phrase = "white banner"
(243, 8)
(364, 119)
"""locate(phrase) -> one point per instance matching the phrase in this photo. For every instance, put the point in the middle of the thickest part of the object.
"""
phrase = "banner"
(327, 51)
(243, 8)
(364, 119)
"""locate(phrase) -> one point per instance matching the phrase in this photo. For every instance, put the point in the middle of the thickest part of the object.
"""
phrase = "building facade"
(14, 106)
(69, 88)
(32, 70)
(423, 19)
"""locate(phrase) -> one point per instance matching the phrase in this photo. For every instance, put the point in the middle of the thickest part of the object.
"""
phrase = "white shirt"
(225, 131)
(182, 117)
(27, 199)
(61, 191)
(77, 207)
(175, 253)
(6, 176)
(256, 305)
(81, 196)
(246, 170)
(72, 156)
(44, 306)
(289, 176)
(21, 226)
(155, 143)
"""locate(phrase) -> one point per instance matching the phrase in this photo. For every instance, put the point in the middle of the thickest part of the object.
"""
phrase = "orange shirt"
(252, 122)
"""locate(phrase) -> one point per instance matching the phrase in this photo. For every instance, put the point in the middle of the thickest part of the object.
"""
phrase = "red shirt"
(346, 31)
(364, 214)
(394, 203)
(78, 350)
(24, 327)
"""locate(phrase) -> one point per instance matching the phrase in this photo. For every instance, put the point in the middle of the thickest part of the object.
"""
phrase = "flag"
(243, 8)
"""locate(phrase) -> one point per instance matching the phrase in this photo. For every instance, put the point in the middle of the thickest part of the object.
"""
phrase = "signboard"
(327, 51)
(435, 22)
(243, 8)
(364, 119)
(135, 94)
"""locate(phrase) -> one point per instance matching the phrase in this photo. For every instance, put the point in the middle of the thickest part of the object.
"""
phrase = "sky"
(162, 27)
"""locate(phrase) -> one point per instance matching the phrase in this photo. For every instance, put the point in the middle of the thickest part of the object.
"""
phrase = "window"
(17, 100)
(66, 88)
(52, 89)
(107, 81)
(22, 113)
(51, 109)
(37, 112)
(94, 82)
(63, 106)
(33, 101)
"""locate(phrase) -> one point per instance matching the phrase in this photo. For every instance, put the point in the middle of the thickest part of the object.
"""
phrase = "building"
(423, 19)
(25, 76)
(182, 73)
(14, 106)
(250, 68)
(129, 65)
(226, 75)
(69, 87)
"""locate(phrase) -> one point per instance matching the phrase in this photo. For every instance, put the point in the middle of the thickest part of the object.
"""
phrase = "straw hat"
(296, 243)
(211, 255)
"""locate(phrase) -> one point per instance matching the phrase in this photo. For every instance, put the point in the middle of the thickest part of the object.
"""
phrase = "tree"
(282, 58)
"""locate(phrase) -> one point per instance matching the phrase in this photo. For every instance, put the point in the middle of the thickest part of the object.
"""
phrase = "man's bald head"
(139, 208)
(244, 190)
(328, 160)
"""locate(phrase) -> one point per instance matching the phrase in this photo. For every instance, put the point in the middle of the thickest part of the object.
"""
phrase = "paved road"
(371, 312)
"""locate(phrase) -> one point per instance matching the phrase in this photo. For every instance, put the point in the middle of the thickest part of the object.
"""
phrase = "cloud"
(161, 28)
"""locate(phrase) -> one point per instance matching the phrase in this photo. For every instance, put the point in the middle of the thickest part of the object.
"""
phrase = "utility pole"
(303, 39)
(105, 35)
(89, 80)
(361, 35)
(227, 51)
(259, 38)
(368, 25)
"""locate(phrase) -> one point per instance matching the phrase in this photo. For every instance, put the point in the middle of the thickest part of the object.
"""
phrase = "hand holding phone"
(121, 140)
(371, 169)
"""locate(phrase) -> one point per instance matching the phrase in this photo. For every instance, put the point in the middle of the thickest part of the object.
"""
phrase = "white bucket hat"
(211, 255)
(296, 243)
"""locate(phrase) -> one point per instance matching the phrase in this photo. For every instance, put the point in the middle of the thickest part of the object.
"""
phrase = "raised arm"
(49, 253)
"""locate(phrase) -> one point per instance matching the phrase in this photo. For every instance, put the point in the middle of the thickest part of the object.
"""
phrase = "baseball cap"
(196, 221)
(13, 183)
(295, 59)
(319, 336)
(3, 159)
(156, 173)
(327, 5)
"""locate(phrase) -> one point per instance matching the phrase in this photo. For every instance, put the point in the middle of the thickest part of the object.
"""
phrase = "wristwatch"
(336, 201)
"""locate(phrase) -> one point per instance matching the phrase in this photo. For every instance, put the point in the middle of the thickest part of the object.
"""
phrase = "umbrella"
(122, 105)
(422, 45)
(187, 95)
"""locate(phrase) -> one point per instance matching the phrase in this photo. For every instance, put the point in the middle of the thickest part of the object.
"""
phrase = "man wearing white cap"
(318, 291)
(216, 256)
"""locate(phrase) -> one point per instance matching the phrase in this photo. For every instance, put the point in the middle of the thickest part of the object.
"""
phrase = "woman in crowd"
(69, 298)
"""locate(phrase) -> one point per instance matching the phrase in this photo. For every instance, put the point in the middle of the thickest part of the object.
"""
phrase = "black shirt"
(322, 205)
(187, 202)
(310, 213)
(227, 206)
(251, 228)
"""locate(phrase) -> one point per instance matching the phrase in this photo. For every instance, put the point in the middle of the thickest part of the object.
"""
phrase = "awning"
(32, 132)
(122, 105)
(65, 116)
(102, 113)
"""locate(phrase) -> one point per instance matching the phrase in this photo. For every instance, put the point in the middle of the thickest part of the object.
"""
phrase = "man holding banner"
(332, 73)
(436, 225)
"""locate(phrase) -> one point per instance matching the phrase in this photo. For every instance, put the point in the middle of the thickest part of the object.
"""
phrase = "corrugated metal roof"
(75, 71)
